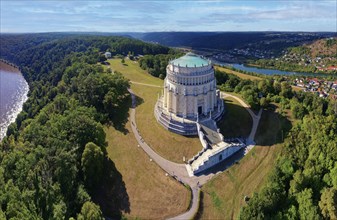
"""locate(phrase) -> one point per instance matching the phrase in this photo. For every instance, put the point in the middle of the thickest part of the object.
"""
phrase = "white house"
(107, 55)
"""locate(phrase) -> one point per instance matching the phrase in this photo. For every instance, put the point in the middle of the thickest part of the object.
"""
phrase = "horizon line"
(47, 32)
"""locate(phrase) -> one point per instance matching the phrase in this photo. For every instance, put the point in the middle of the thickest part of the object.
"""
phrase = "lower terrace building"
(191, 105)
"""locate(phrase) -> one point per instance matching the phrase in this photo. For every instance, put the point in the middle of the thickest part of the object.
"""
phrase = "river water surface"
(13, 93)
(263, 71)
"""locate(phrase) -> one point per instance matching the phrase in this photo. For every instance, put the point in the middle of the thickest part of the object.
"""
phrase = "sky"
(149, 16)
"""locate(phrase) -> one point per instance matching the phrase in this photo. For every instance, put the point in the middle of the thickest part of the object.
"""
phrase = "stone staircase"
(215, 148)
(186, 129)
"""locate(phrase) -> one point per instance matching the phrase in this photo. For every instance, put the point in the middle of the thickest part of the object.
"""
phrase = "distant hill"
(323, 48)
(317, 56)
(222, 41)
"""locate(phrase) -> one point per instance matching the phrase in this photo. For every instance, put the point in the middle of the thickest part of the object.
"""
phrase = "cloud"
(282, 13)
(33, 16)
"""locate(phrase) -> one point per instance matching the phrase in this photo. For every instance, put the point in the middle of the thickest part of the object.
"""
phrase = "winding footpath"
(145, 84)
(255, 118)
(178, 171)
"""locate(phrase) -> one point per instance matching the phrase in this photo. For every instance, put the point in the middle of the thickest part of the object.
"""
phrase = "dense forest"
(156, 64)
(303, 185)
(53, 159)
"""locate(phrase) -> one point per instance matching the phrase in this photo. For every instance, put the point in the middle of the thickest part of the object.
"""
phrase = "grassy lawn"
(272, 128)
(246, 76)
(169, 145)
(132, 71)
(149, 193)
(267, 134)
(223, 195)
(296, 88)
(237, 121)
(241, 75)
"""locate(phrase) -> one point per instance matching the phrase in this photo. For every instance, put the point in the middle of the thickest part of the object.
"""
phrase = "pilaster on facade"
(189, 103)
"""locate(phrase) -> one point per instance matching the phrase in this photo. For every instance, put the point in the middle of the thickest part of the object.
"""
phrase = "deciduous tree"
(92, 164)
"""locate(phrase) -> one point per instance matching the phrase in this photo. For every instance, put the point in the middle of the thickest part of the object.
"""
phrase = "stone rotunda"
(191, 105)
(190, 95)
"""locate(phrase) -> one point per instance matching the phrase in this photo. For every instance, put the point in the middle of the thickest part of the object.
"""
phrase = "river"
(13, 93)
(266, 71)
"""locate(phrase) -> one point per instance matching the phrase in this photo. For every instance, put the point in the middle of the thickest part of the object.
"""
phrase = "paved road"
(178, 171)
(194, 208)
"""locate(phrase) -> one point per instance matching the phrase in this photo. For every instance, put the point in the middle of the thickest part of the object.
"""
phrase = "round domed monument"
(189, 95)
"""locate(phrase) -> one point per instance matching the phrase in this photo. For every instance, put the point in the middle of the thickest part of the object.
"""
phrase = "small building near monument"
(107, 55)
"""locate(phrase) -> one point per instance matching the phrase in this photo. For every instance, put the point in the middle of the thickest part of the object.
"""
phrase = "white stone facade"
(189, 91)
(189, 95)
(191, 105)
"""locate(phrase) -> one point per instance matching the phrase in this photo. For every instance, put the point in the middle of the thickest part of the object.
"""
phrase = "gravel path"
(145, 84)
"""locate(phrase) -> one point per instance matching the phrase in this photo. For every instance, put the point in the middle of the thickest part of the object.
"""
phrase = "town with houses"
(319, 56)
(323, 88)
(232, 55)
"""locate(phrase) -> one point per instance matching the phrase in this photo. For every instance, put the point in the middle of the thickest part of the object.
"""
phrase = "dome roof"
(190, 60)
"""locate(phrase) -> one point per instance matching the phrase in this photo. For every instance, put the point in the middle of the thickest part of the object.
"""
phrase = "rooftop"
(190, 60)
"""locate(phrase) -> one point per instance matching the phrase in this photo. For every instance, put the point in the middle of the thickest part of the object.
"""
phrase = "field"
(223, 195)
(246, 76)
(131, 70)
(148, 192)
(241, 75)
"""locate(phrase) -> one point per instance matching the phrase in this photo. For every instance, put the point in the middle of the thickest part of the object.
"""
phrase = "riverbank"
(13, 93)
(269, 72)
(7, 66)
(288, 69)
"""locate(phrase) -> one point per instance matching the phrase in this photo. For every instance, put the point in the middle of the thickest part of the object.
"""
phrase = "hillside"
(324, 47)
(318, 56)
(302, 183)
(212, 42)
(54, 161)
